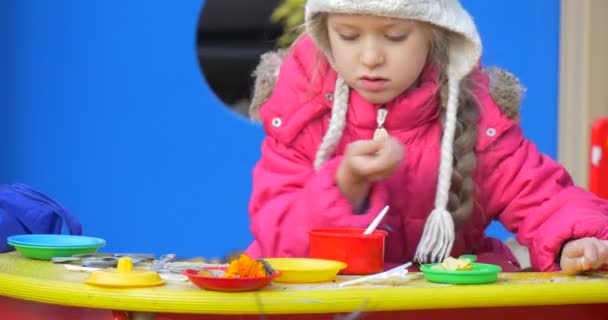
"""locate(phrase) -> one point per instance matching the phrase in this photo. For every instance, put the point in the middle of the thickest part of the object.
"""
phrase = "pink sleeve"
(289, 198)
(535, 197)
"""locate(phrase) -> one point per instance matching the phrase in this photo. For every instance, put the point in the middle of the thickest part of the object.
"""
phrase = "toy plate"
(47, 246)
(227, 284)
(55, 240)
(305, 270)
(481, 273)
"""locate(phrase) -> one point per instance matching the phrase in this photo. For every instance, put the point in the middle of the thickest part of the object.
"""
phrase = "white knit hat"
(464, 53)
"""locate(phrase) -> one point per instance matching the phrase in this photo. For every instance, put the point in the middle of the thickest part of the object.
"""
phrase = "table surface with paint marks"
(44, 281)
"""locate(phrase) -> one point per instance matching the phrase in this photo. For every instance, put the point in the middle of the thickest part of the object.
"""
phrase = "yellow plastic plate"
(305, 270)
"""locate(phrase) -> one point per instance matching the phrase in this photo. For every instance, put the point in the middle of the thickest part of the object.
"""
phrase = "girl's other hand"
(583, 255)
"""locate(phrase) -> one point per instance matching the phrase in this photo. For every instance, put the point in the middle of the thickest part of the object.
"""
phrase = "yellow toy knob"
(125, 264)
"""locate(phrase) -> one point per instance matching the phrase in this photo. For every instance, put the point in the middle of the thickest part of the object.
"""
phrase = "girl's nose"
(372, 55)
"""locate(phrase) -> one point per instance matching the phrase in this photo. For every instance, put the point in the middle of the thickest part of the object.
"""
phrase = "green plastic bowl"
(46, 253)
(481, 273)
(47, 246)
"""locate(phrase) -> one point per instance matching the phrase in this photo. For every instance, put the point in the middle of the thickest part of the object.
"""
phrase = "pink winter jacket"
(529, 193)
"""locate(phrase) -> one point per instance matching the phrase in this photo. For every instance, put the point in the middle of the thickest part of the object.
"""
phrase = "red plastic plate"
(228, 284)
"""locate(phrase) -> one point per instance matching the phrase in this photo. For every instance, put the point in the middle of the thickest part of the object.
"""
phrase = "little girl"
(383, 102)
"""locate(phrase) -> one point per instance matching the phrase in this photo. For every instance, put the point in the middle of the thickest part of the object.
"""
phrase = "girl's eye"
(397, 38)
(349, 37)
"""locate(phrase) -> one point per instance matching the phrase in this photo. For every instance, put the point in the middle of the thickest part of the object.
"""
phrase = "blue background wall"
(104, 108)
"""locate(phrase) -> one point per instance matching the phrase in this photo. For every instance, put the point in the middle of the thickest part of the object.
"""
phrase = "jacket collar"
(412, 109)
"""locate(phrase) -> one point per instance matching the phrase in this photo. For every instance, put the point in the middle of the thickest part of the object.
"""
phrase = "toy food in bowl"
(243, 274)
(305, 270)
(363, 254)
(453, 264)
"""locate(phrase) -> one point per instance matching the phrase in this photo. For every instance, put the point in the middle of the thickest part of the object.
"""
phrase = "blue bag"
(24, 210)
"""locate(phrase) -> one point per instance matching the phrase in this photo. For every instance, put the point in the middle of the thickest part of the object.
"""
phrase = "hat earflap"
(337, 123)
(438, 236)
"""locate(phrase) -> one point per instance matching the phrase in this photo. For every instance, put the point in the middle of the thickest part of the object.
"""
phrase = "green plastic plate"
(480, 274)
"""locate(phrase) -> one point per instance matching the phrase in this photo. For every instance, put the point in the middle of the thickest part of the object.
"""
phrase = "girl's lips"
(373, 84)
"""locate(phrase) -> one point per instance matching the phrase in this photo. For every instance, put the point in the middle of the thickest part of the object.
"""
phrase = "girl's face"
(379, 57)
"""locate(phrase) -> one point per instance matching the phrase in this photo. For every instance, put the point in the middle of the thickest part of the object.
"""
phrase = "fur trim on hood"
(507, 91)
(265, 76)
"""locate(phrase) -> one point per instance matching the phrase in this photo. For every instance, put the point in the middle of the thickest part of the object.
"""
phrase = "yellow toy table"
(31, 289)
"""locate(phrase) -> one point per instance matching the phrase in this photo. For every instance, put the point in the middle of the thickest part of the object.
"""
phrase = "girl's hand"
(373, 160)
(583, 255)
(367, 161)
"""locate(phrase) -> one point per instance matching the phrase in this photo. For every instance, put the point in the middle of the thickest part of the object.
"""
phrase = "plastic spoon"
(376, 221)
(397, 272)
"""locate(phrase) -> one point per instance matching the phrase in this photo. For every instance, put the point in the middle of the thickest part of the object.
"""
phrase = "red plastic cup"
(363, 254)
